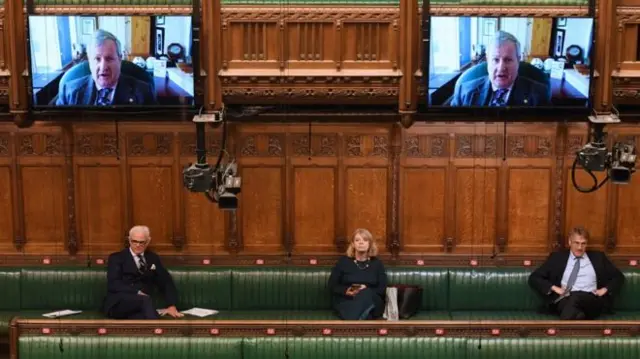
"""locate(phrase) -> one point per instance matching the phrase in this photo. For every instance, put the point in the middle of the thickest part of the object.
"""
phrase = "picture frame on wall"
(159, 42)
(88, 25)
(562, 22)
(558, 43)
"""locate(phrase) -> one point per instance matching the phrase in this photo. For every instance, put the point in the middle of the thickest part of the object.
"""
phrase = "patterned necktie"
(499, 97)
(574, 275)
(143, 263)
(104, 97)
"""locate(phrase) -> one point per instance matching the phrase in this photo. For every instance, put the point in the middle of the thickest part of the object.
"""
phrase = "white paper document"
(200, 312)
(61, 313)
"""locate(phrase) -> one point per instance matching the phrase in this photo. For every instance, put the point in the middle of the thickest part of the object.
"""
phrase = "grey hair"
(102, 36)
(140, 229)
(500, 37)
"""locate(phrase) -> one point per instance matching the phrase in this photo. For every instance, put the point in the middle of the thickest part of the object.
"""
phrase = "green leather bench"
(41, 347)
(272, 293)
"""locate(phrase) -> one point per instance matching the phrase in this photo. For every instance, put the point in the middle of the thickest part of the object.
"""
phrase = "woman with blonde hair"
(358, 282)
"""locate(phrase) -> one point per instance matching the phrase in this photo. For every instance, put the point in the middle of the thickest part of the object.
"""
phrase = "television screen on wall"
(512, 62)
(110, 62)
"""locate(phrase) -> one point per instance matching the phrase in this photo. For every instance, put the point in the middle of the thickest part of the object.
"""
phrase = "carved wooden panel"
(627, 232)
(6, 210)
(251, 44)
(152, 203)
(44, 208)
(100, 208)
(314, 208)
(311, 42)
(587, 209)
(528, 210)
(476, 206)
(368, 42)
(628, 19)
(422, 209)
(366, 202)
(261, 209)
(204, 225)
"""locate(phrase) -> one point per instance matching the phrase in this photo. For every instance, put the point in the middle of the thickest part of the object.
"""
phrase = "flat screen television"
(111, 62)
(509, 62)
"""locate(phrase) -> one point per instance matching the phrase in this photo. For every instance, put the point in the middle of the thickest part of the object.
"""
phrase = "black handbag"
(409, 299)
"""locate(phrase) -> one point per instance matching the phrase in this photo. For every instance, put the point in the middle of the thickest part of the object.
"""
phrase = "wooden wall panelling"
(585, 209)
(310, 55)
(473, 187)
(17, 60)
(394, 243)
(42, 176)
(410, 34)
(366, 170)
(312, 170)
(450, 188)
(621, 57)
(424, 175)
(10, 222)
(531, 180)
(101, 200)
(250, 42)
(624, 231)
(151, 180)
(261, 151)
(4, 71)
(310, 44)
(603, 59)
(204, 222)
(210, 56)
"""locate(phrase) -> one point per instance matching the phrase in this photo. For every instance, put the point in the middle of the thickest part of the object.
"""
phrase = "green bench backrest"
(555, 348)
(10, 287)
(354, 348)
(492, 289)
(434, 283)
(294, 288)
(203, 287)
(135, 347)
(628, 298)
(280, 288)
(108, 347)
(58, 288)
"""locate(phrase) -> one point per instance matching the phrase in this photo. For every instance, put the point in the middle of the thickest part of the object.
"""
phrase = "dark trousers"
(580, 305)
(134, 306)
(365, 305)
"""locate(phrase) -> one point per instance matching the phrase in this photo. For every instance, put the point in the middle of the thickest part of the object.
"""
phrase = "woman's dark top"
(368, 302)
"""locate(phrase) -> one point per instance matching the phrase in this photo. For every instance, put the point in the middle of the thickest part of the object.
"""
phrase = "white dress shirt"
(136, 259)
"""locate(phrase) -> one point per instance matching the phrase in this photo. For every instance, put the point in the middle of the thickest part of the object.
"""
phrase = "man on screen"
(105, 86)
(502, 86)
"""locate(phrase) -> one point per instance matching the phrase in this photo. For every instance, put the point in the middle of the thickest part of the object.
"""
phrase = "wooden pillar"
(210, 53)
(17, 60)
(605, 48)
(410, 40)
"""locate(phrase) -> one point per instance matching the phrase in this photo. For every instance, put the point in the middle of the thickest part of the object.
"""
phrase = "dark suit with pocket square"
(125, 282)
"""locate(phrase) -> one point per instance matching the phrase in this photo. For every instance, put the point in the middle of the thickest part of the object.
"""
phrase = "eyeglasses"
(138, 243)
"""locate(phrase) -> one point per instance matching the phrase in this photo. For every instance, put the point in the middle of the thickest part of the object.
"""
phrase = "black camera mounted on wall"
(619, 163)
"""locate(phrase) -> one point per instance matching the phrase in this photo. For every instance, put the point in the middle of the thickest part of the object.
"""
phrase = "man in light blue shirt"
(578, 283)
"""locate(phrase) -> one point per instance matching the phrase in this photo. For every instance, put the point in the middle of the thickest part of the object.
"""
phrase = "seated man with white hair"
(132, 277)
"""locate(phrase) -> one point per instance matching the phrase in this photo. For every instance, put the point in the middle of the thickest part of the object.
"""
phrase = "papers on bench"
(61, 313)
(200, 312)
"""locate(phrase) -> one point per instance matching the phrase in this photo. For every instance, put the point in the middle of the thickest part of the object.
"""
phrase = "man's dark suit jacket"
(551, 271)
(83, 91)
(124, 279)
(478, 92)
